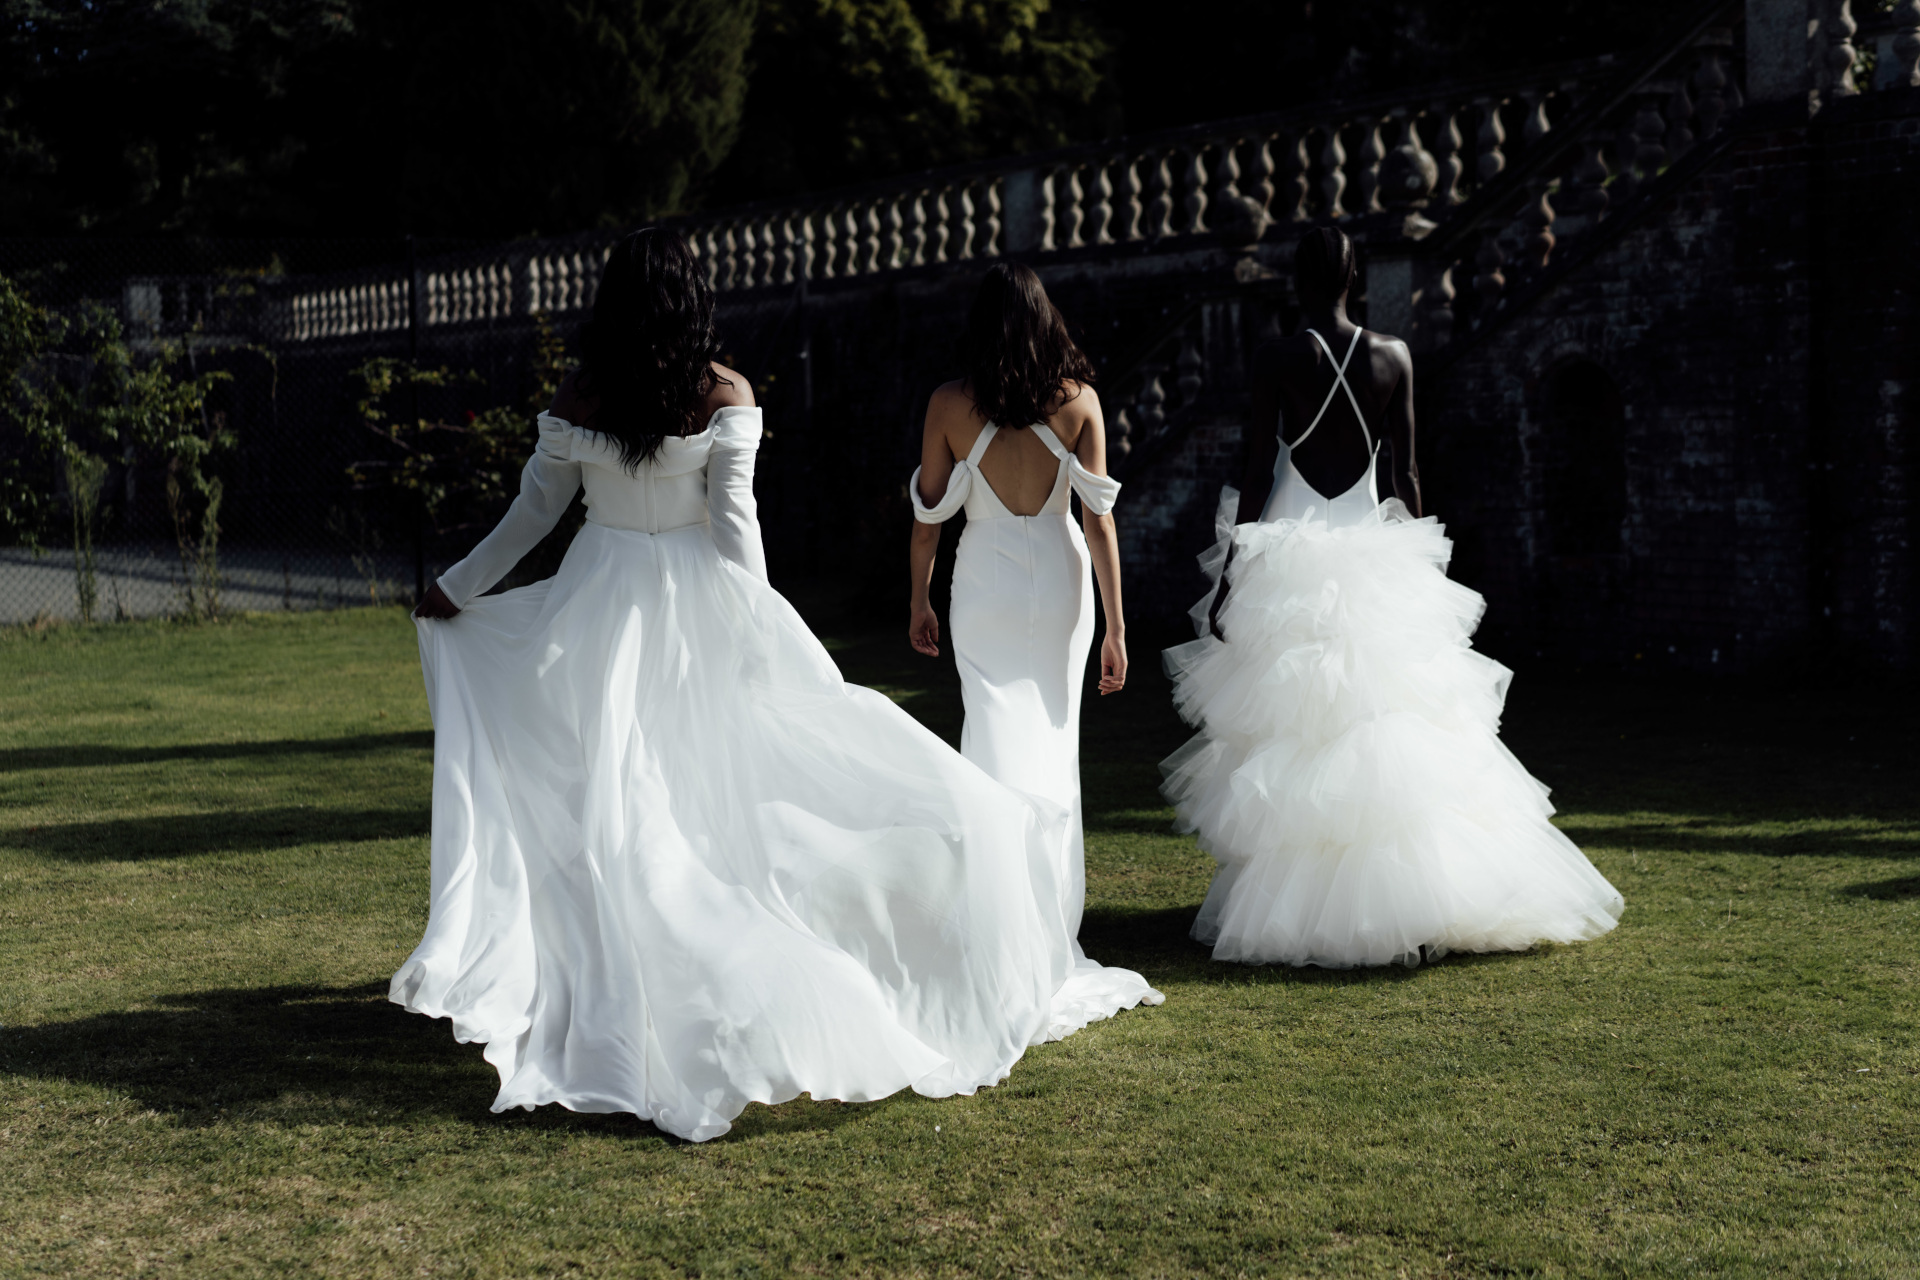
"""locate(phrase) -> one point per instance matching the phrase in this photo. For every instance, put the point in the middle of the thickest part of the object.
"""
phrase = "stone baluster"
(1536, 216)
(1373, 153)
(1226, 180)
(1409, 172)
(1536, 125)
(892, 242)
(436, 298)
(1193, 189)
(1437, 308)
(1905, 73)
(1191, 366)
(1099, 205)
(913, 230)
(1489, 281)
(1129, 207)
(1680, 138)
(1643, 150)
(806, 258)
(781, 265)
(1257, 181)
(1490, 142)
(464, 309)
(1047, 193)
(993, 225)
(828, 244)
(1120, 438)
(1584, 200)
(536, 285)
(937, 247)
(963, 228)
(1159, 213)
(870, 248)
(1834, 66)
(1296, 184)
(849, 228)
(1150, 408)
(1069, 208)
(1449, 163)
(745, 254)
(1333, 172)
(1710, 88)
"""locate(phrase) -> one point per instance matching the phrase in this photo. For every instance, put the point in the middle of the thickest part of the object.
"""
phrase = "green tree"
(848, 90)
(355, 117)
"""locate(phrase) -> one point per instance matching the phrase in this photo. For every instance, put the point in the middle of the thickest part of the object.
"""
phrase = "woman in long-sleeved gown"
(678, 865)
(1007, 444)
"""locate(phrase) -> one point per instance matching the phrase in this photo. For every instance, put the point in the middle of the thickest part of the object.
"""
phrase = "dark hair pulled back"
(1016, 351)
(1323, 265)
(648, 352)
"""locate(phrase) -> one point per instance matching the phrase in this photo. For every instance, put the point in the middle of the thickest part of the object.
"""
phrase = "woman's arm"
(1406, 472)
(936, 469)
(1262, 438)
(1103, 545)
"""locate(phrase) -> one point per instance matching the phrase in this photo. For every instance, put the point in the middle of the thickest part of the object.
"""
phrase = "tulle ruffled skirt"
(678, 865)
(1348, 776)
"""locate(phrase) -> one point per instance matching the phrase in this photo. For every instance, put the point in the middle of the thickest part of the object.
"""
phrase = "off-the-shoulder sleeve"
(1097, 493)
(959, 485)
(547, 484)
(730, 505)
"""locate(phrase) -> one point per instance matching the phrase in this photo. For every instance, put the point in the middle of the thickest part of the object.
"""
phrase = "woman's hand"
(569, 405)
(436, 604)
(923, 630)
(1113, 663)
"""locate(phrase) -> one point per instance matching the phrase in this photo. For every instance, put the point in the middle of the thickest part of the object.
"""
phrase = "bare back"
(1020, 468)
(1294, 383)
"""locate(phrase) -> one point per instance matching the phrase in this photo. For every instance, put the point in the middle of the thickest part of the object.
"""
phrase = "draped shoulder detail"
(959, 485)
(1097, 493)
(736, 427)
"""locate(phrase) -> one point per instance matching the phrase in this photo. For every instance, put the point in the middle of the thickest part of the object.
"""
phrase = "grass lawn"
(213, 852)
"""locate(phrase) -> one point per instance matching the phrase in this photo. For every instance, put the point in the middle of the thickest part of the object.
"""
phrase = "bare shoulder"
(730, 390)
(1077, 407)
(951, 409)
(1389, 355)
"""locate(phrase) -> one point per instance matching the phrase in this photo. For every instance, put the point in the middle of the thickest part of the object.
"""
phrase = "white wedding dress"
(1021, 618)
(1348, 776)
(678, 865)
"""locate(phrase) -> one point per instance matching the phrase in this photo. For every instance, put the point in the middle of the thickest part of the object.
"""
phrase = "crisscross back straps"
(1339, 382)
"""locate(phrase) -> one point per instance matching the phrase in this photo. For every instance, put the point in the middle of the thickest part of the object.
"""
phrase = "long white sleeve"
(730, 504)
(547, 484)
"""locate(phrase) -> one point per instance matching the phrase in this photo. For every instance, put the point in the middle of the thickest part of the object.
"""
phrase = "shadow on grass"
(1158, 944)
(1856, 837)
(1898, 890)
(302, 1055)
(94, 755)
(234, 831)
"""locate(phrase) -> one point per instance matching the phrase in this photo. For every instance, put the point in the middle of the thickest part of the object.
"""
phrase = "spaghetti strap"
(1339, 382)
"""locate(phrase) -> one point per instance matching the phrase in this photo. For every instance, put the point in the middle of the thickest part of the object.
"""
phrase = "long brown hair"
(1016, 351)
(648, 351)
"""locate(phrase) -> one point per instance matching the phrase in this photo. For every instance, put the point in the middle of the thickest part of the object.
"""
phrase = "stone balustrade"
(1600, 165)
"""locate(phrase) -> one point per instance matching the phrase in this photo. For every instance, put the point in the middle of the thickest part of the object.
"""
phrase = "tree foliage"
(847, 90)
(354, 117)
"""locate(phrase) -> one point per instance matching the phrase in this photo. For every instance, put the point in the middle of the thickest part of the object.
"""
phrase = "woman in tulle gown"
(1348, 776)
(1007, 444)
(678, 865)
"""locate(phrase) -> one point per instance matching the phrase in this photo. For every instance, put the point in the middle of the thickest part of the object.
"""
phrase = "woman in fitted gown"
(1006, 444)
(678, 865)
(1348, 776)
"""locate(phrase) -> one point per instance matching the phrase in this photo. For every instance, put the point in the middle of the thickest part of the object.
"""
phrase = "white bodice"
(977, 498)
(699, 479)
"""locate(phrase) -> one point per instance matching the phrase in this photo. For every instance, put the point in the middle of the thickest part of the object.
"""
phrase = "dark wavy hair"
(648, 352)
(1323, 264)
(1016, 352)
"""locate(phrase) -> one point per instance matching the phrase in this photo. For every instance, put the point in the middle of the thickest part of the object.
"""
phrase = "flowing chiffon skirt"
(1348, 776)
(679, 865)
